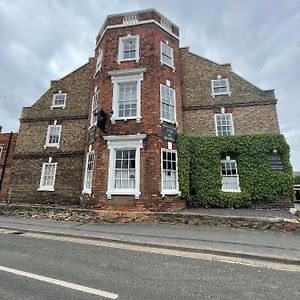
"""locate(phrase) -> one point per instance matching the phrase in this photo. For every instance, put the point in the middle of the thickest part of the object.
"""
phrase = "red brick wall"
(149, 52)
(7, 142)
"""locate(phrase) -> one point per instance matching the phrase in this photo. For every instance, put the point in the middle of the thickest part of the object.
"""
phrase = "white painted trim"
(99, 61)
(126, 142)
(127, 72)
(138, 78)
(175, 114)
(94, 109)
(47, 188)
(237, 176)
(161, 55)
(135, 24)
(167, 191)
(220, 93)
(121, 48)
(53, 145)
(216, 125)
(63, 106)
(86, 190)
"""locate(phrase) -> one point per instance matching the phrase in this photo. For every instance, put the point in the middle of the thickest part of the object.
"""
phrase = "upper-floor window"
(166, 55)
(224, 124)
(95, 102)
(169, 172)
(48, 177)
(167, 104)
(230, 177)
(126, 102)
(59, 100)
(53, 136)
(220, 86)
(129, 48)
(99, 60)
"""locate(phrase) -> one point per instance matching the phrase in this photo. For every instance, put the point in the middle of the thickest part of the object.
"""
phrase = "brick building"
(105, 135)
(7, 147)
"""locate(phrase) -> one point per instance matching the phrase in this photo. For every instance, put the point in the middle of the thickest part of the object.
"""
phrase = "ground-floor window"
(230, 177)
(169, 172)
(88, 177)
(125, 169)
(124, 165)
(48, 177)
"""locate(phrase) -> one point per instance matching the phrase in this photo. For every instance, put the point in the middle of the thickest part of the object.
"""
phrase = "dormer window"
(166, 55)
(129, 48)
(99, 60)
(59, 100)
(220, 86)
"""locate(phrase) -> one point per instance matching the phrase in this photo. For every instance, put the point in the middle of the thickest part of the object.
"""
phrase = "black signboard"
(275, 163)
(92, 135)
(168, 132)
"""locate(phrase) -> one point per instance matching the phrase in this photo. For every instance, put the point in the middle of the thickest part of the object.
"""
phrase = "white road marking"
(178, 253)
(65, 284)
(8, 231)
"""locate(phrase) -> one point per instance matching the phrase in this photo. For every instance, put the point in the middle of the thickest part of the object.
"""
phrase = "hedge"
(199, 165)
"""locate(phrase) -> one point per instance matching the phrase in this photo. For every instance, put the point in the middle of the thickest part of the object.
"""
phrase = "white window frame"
(161, 104)
(47, 143)
(213, 93)
(87, 190)
(125, 142)
(95, 100)
(139, 77)
(168, 191)
(49, 188)
(121, 48)
(162, 44)
(63, 106)
(216, 123)
(99, 60)
(228, 160)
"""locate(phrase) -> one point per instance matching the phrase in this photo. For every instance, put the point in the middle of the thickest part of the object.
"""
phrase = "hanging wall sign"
(168, 132)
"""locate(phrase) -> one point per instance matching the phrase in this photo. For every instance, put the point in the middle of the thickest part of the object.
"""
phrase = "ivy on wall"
(199, 165)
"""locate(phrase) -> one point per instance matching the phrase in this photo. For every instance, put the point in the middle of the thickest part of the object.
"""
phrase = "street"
(129, 274)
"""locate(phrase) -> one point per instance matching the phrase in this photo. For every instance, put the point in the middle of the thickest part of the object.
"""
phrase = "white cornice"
(127, 72)
(134, 24)
(125, 138)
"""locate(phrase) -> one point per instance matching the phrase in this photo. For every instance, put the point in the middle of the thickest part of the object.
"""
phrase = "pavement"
(269, 245)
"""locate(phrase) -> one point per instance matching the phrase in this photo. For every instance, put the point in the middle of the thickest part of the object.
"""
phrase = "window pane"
(125, 169)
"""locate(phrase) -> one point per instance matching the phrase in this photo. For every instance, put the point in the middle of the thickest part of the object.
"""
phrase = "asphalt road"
(130, 274)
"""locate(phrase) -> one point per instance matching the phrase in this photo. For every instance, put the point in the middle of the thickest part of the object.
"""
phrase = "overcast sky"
(42, 40)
